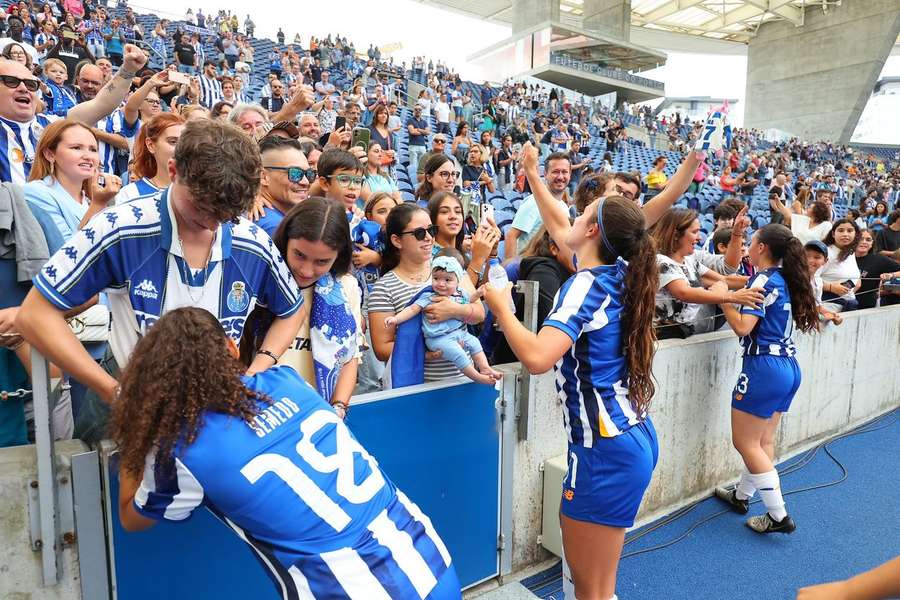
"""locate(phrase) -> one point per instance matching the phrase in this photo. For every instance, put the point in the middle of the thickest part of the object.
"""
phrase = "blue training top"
(773, 333)
(318, 512)
(591, 376)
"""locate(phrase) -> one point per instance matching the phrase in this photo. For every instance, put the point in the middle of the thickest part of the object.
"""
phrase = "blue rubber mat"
(842, 529)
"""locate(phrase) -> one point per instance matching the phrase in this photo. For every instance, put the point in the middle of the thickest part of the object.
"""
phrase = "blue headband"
(449, 264)
(602, 230)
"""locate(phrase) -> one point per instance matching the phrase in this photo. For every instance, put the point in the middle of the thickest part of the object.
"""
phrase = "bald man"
(18, 105)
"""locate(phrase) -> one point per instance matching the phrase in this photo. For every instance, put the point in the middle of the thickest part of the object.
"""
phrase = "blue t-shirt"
(271, 219)
(311, 502)
(417, 140)
(592, 376)
(774, 330)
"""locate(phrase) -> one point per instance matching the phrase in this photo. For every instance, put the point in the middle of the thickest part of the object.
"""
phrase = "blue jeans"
(189, 69)
(415, 153)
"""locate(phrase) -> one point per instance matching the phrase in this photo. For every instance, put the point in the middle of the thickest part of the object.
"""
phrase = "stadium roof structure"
(726, 20)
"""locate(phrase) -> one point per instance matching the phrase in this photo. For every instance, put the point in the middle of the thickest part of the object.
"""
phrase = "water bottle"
(498, 280)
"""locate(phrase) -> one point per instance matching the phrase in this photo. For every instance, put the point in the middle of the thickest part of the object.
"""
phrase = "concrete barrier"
(20, 565)
(850, 375)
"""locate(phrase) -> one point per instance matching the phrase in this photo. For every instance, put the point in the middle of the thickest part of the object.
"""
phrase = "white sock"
(769, 487)
(745, 487)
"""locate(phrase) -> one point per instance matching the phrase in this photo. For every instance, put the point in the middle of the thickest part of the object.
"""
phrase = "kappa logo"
(146, 289)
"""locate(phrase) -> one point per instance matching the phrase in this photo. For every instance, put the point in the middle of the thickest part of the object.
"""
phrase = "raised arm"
(297, 104)
(110, 97)
(553, 214)
(663, 201)
(133, 106)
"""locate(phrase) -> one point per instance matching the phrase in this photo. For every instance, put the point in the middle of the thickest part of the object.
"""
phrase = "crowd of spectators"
(308, 197)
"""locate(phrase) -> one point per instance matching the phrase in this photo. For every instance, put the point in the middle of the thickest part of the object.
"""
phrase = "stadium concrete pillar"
(528, 13)
(814, 80)
(611, 18)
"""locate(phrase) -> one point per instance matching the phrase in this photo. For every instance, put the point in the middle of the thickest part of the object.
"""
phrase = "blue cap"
(817, 245)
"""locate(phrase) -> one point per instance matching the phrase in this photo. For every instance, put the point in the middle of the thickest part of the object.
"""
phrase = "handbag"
(91, 325)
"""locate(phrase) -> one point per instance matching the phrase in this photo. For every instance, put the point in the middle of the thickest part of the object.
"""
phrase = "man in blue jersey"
(321, 517)
(21, 128)
(153, 255)
(286, 178)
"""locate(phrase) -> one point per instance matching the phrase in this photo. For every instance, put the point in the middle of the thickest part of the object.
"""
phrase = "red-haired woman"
(153, 148)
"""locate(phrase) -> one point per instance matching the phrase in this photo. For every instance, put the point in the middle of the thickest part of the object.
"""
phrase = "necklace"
(188, 276)
(418, 277)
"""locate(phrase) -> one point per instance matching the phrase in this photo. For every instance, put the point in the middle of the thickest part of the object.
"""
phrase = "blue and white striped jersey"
(592, 376)
(314, 506)
(18, 142)
(210, 90)
(115, 123)
(137, 190)
(773, 333)
(132, 252)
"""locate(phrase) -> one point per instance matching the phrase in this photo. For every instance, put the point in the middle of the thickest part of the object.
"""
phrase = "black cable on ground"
(879, 423)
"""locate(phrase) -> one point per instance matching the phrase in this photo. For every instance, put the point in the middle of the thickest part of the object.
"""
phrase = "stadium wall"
(850, 376)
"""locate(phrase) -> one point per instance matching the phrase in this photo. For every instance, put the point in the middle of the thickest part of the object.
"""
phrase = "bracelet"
(271, 355)
(126, 74)
(344, 405)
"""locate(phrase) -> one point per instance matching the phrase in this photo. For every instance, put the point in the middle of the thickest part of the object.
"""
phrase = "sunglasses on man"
(12, 82)
(296, 174)
(420, 232)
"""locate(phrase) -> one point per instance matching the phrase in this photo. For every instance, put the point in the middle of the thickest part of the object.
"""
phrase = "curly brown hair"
(178, 371)
(220, 165)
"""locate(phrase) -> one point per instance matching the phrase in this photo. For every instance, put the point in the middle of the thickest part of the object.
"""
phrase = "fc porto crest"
(238, 298)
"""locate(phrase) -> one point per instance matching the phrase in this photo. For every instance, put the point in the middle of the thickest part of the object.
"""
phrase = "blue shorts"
(767, 384)
(605, 484)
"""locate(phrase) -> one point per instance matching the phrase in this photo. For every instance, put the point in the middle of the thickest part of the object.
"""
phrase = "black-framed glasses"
(448, 175)
(152, 102)
(420, 232)
(296, 174)
(624, 193)
(12, 82)
(440, 141)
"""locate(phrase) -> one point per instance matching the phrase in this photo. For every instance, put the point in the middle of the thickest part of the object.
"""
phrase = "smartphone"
(339, 123)
(177, 77)
(849, 284)
(487, 212)
(69, 35)
(361, 137)
(101, 180)
(469, 211)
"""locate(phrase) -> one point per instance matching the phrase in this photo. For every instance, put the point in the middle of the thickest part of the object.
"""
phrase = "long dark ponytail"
(622, 222)
(789, 250)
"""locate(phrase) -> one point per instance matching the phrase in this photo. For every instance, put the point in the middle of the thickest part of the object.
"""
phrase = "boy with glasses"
(341, 176)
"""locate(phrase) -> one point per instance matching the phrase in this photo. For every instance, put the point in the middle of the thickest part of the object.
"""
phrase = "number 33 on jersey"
(317, 510)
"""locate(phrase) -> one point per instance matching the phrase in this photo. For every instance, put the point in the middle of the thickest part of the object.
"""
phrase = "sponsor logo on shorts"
(738, 397)
(569, 494)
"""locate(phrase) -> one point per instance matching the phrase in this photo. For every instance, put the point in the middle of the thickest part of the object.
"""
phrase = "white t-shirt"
(837, 271)
(669, 308)
(442, 112)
